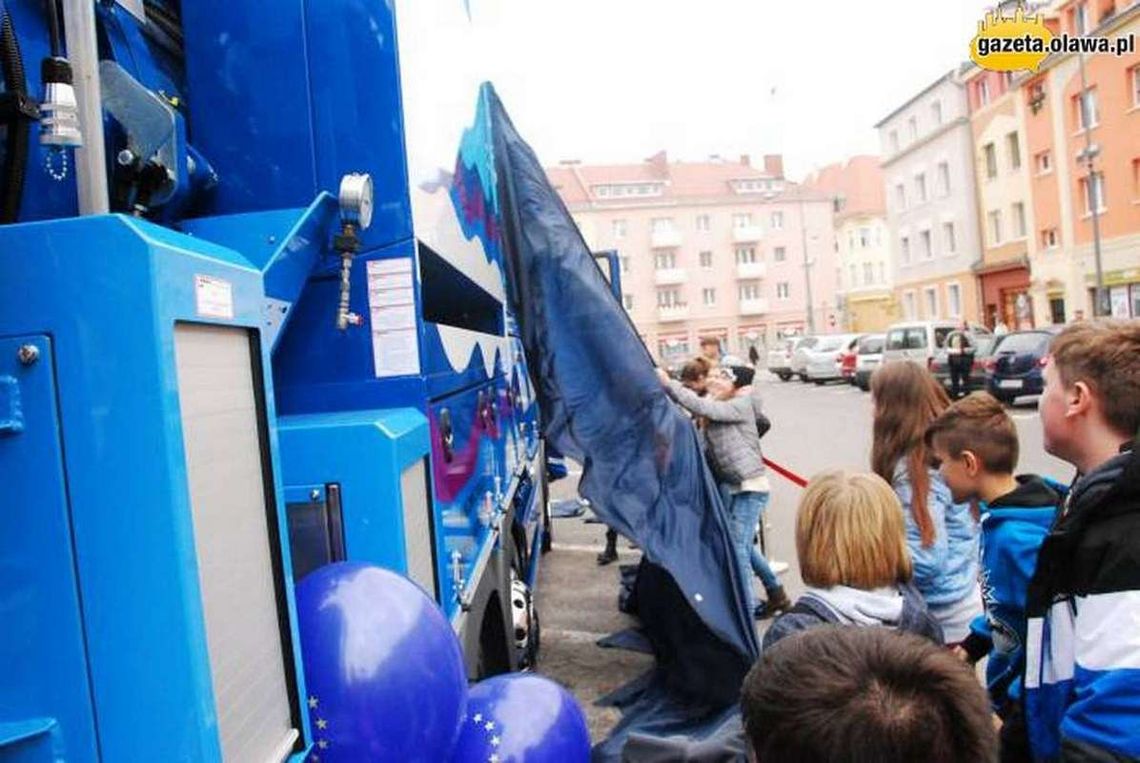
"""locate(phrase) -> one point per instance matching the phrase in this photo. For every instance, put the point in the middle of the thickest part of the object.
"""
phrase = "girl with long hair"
(942, 535)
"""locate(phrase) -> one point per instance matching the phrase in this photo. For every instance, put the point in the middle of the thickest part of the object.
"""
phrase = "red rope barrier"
(788, 475)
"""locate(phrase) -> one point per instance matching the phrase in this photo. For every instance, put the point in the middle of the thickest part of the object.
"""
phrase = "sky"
(619, 80)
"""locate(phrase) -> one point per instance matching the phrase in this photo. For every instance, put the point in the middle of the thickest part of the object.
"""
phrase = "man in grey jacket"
(733, 451)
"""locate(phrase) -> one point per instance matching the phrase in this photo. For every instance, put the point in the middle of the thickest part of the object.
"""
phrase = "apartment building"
(932, 211)
(1083, 154)
(863, 241)
(713, 248)
(1001, 169)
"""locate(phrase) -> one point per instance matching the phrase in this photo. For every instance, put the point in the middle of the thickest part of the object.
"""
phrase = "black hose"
(16, 150)
(54, 29)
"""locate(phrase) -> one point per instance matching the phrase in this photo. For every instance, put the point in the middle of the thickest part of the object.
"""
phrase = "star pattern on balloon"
(488, 727)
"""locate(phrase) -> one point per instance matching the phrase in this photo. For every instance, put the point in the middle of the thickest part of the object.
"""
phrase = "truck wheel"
(785, 376)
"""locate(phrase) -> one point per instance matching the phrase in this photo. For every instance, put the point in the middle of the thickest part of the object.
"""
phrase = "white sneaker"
(778, 568)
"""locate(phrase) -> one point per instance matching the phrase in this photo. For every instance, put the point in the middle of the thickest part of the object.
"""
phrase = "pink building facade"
(716, 248)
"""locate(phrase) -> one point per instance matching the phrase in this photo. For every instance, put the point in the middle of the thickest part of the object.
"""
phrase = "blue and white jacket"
(1082, 679)
(947, 571)
(1013, 527)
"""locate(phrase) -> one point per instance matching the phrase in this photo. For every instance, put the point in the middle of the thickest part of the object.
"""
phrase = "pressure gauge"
(356, 199)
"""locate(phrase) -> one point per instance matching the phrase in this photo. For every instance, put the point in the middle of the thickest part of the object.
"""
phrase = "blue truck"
(253, 321)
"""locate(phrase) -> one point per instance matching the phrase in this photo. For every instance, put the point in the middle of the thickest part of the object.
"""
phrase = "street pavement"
(813, 429)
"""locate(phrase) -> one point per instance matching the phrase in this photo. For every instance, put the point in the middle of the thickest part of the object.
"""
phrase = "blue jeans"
(745, 510)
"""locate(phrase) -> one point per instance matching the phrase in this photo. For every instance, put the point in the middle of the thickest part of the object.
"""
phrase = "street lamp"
(807, 264)
(1088, 155)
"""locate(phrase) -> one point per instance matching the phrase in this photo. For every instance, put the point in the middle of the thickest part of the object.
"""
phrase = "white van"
(920, 340)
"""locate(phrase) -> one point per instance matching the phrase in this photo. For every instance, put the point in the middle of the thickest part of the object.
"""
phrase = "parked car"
(823, 360)
(983, 348)
(920, 340)
(868, 357)
(1015, 367)
(780, 357)
(848, 358)
(799, 357)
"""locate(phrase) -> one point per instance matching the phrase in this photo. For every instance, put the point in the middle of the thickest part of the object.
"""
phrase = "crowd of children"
(962, 559)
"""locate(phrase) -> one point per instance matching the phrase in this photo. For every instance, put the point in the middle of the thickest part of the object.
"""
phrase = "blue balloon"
(522, 718)
(384, 671)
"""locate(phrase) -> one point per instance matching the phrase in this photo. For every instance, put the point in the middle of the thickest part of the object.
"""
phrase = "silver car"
(780, 357)
(822, 362)
(800, 358)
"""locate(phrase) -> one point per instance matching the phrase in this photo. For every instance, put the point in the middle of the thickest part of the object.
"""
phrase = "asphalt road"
(813, 429)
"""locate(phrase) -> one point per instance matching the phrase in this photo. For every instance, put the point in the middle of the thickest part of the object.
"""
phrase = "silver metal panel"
(220, 428)
(417, 526)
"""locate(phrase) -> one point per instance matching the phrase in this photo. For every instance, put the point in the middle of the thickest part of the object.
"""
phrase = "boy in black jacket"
(1082, 680)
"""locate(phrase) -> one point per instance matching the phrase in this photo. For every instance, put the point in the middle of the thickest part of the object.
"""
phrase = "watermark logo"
(1022, 42)
(1011, 44)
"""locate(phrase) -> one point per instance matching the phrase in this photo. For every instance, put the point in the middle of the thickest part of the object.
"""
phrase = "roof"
(948, 76)
(708, 181)
(858, 181)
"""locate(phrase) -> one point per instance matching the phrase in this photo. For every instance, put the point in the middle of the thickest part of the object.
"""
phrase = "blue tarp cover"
(643, 470)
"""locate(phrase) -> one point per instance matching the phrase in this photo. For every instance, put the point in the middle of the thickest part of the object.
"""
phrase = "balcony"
(665, 239)
(750, 270)
(671, 276)
(756, 306)
(748, 234)
(670, 313)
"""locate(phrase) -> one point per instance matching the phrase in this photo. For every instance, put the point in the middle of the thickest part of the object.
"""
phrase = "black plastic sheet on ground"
(643, 471)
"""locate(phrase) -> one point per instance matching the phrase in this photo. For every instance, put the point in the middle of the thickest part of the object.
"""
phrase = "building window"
(742, 220)
(882, 272)
(927, 248)
(894, 140)
(1019, 220)
(749, 291)
(706, 260)
(991, 160)
(1086, 108)
(783, 290)
(944, 179)
(909, 311)
(936, 112)
(1136, 180)
(665, 260)
(920, 187)
(853, 277)
(1094, 194)
(1057, 310)
(864, 237)
(868, 273)
(994, 218)
(709, 297)
(661, 224)
(905, 250)
(912, 125)
(954, 297)
(1134, 74)
(1043, 162)
(900, 196)
(1049, 238)
(669, 298)
(777, 221)
(627, 300)
(779, 254)
(703, 222)
(745, 255)
(1014, 150)
(948, 238)
(625, 264)
(983, 92)
(931, 294)
(619, 228)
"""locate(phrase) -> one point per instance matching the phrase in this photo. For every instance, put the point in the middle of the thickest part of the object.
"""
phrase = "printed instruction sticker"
(392, 313)
(214, 297)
